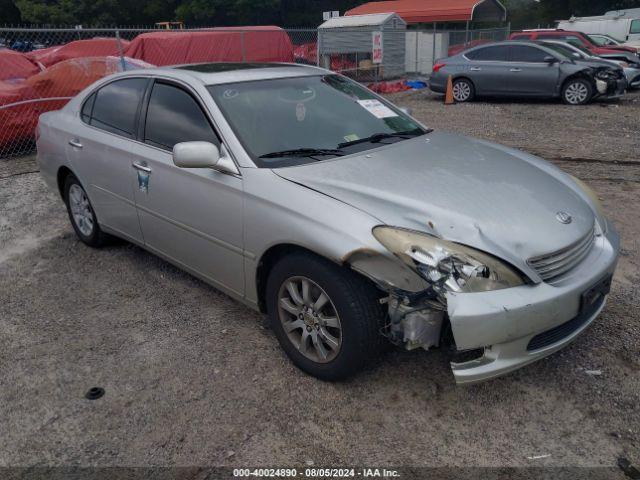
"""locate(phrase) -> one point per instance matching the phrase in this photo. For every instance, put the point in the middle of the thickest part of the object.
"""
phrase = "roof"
(220, 73)
(428, 11)
(359, 20)
(628, 13)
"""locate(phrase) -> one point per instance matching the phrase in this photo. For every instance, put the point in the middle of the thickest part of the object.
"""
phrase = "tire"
(463, 90)
(350, 300)
(81, 214)
(577, 91)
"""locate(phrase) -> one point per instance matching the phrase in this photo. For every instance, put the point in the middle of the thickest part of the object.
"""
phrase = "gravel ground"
(194, 378)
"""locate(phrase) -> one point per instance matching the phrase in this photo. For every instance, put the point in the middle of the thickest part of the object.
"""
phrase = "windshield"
(603, 40)
(291, 121)
(584, 50)
(562, 50)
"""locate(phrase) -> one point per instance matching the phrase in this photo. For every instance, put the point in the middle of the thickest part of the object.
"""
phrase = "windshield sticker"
(230, 93)
(351, 137)
(377, 108)
(301, 112)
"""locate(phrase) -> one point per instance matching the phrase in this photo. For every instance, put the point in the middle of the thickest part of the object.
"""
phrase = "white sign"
(377, 108)
(376, 47)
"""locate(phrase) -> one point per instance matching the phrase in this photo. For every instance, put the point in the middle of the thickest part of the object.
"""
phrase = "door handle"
(75, 143)
(515, 70)
(475, 69)
(139, 166)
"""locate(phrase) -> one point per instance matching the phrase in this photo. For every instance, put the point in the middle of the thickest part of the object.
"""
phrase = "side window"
(635, 26)
(174, 116)
(523, 53)
(114, 107)
(87, 109)
(488, 54)
(520, 37)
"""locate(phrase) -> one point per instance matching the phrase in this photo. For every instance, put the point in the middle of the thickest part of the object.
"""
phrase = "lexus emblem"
(564, 217)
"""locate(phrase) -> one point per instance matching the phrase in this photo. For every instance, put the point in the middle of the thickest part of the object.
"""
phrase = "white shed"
(374, 42)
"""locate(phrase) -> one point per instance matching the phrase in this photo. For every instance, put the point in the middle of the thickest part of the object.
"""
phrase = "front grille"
(554, 265)
(556, 334)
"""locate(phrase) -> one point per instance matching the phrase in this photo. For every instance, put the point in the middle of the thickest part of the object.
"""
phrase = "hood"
(598, 63)
(469, 191)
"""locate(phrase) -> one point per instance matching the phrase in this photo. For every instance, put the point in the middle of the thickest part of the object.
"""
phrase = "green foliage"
(9, 13)
(287, 13)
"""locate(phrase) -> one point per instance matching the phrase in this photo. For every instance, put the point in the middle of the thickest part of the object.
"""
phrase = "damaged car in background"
(630, 66)
(349, 223)
(526, 69)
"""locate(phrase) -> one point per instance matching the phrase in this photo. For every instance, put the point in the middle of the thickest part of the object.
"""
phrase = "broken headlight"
(446, 265)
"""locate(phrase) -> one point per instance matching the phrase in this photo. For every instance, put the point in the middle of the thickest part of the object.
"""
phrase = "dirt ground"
(193, 377)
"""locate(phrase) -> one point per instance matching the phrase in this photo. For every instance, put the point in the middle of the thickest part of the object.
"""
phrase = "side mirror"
(550, 59)
(196, 155)
(406, 110)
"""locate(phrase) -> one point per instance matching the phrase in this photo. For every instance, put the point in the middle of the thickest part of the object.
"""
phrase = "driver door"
(191, 216)
(529, 73)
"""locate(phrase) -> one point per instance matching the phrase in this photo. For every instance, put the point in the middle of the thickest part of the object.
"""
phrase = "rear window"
(115, 106)
(489, 54)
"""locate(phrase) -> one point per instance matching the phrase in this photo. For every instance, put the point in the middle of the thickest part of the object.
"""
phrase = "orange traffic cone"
(448, 98)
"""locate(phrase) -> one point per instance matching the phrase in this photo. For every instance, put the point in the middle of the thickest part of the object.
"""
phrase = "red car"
(577, 38)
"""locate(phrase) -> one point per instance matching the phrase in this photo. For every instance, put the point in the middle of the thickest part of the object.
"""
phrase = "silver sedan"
(345, 220)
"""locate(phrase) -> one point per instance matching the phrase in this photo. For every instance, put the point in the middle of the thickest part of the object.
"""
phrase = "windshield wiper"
(378, 137)
(304, 152)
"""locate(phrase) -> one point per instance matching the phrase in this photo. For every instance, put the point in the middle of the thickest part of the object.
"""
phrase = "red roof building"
(430, 11)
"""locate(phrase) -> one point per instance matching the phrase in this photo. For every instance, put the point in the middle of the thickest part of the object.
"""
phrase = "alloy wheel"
(310, 319)
(461, 91)
(81, 210)
(576, 93)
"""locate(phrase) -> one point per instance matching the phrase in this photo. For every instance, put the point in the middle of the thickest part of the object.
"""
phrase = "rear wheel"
(326, 318)
(463, 90)
(577, 91)
(83, 218)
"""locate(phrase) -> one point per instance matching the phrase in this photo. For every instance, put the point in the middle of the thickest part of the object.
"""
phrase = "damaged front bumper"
(612, 87)
(520, 325)
(496, 331)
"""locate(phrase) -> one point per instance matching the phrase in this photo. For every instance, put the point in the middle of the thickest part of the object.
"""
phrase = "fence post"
(244, 53)
(433, 53)
(120, 51)
(417, 32)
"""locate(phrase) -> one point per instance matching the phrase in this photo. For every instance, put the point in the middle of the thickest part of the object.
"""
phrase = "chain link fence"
(42, 69)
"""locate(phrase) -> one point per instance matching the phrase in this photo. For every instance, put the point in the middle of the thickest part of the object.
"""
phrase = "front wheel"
(577, 91)
(326, 318)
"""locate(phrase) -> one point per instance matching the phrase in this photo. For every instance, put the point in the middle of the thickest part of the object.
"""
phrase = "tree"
(9, 13)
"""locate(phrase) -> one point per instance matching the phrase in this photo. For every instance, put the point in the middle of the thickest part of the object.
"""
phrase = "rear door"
(99, 150)
(192, 216)
(529, 74)
(487, 68)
